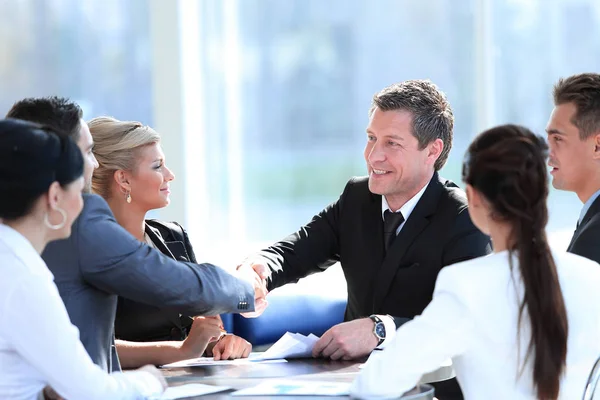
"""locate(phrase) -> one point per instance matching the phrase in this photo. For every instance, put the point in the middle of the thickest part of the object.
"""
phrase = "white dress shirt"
(38, 344)
(473, 320)
(587, 205)
(406, 210)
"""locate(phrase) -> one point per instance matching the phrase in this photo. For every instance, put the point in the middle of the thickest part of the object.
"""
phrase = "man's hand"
(231, 347)
(257, 274)
(203, 331)
(347, 341)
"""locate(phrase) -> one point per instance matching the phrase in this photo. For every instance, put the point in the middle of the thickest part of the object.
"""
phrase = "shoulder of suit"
(357, 185)
(93, 206)
(454, 194)
(358, 181)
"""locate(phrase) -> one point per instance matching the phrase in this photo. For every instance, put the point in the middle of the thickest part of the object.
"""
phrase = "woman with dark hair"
(522, 323)
(41, 180)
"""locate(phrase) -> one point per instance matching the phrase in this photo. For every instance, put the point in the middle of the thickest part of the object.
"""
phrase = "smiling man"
(392, 231)
(574, 139)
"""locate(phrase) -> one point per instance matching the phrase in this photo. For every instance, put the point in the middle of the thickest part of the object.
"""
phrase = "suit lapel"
(158, 241)
(160, 245)
(593, 210)
(414, 225)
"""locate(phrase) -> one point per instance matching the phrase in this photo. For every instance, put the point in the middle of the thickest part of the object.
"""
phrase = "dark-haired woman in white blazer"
(522, 323)
(41, 180)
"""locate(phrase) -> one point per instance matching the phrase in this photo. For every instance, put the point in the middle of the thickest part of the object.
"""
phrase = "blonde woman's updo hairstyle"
(116, 146)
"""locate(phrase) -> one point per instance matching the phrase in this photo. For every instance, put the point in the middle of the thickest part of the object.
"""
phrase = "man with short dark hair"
(392, 231)
(574, 140)
(63, 116)
(101, 260)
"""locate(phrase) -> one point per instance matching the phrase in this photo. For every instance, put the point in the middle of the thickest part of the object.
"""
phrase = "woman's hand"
(230, 347)
(203, 331)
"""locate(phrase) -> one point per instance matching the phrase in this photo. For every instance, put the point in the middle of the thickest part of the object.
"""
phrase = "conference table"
(242, 376)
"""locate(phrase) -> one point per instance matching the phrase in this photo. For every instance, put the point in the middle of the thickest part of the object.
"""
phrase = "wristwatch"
(378, 329)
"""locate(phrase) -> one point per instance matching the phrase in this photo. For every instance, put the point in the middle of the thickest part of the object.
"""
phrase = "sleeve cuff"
(390, 331)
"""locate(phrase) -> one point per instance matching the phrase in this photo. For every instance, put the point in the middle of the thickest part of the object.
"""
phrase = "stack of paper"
(209, 361)
(291, 345)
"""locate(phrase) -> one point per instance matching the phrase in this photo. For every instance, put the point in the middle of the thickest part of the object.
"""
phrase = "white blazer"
(473, 320)
(38, 344)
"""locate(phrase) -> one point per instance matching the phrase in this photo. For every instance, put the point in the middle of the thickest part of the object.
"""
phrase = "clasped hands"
(256, 273)
(345, 341)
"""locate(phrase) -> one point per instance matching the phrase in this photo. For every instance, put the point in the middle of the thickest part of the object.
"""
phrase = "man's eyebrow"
(554, 131)
(396, 137)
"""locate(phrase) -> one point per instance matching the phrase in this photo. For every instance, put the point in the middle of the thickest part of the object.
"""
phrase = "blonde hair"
(116, 146)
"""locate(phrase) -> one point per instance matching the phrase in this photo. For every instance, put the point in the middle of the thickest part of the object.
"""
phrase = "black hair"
(32, 157)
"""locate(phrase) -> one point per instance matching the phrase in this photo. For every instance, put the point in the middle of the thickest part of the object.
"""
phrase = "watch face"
(380, 330)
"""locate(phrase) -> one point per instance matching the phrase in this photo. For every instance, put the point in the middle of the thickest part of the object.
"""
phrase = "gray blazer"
(101, 261)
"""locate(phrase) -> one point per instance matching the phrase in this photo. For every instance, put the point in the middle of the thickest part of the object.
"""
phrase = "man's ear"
(122, 179)
(597, 146)
(434, 150)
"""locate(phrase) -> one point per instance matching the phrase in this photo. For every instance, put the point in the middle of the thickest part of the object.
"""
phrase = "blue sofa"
(295, 308)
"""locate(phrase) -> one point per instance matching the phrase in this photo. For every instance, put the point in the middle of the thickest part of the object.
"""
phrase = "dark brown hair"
(432, 116)
(583, 91)
(507, 165)
(59, 113)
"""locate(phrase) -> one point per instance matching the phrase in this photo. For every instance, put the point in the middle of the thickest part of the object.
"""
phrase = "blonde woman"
(133, 178)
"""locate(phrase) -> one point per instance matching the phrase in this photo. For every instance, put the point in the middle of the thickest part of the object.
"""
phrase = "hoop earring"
(128, 198)
(59, 225)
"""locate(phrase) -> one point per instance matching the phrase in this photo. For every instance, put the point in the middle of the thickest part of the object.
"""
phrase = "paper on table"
(296, 388)
(291, 345)
(208, 361)
(192, 389)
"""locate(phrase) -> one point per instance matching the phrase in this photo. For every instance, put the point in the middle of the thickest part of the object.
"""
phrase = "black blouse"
(140, 322)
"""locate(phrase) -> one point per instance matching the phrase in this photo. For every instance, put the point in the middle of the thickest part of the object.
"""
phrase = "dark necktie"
(391, 222)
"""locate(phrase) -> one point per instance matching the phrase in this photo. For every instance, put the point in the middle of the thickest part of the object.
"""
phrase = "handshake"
(256, 273)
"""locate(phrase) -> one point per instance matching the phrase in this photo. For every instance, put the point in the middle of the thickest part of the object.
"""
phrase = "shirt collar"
(408, 207)
(587, 205)
(22, 248)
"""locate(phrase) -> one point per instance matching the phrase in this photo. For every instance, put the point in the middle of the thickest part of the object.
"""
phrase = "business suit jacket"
(437, 233)
(139, 322)
(586, 239)
(101, 260)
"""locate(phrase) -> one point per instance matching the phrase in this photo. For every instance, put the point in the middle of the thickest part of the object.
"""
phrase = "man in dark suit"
(392, 232)
(574, 140)
(101, 260)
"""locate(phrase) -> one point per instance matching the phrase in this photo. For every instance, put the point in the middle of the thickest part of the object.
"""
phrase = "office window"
(288, 85)
(95, 52)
